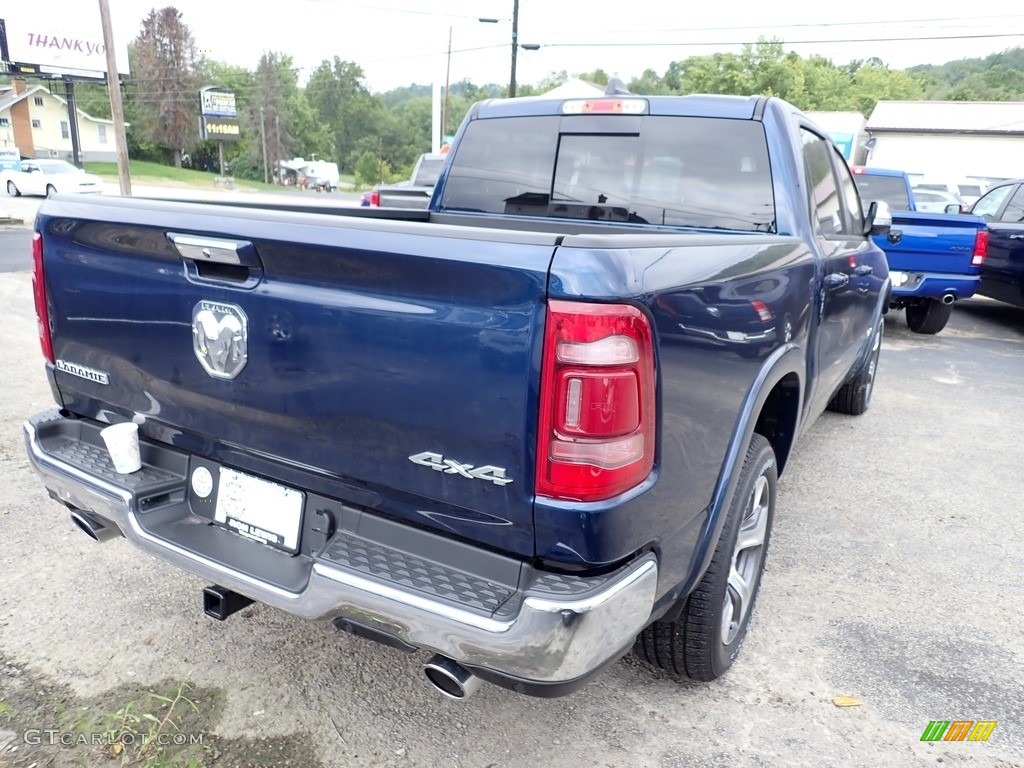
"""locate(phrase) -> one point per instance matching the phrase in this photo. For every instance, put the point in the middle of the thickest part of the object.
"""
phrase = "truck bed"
(360, 358)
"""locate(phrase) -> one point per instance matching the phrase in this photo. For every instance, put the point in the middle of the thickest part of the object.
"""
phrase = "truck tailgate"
(405, 197)
(390, 364)
(931, 242)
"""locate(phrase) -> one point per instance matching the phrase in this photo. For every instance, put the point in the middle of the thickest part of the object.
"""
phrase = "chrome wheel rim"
(745, 567)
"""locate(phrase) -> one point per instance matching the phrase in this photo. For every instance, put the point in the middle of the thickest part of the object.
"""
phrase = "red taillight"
(39, 294)
(762, 311)
(980, 248)
(596, 435)
(375, 199)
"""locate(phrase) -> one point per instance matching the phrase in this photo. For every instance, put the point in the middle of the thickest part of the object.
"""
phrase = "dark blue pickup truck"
(935, 259)
(522, 432)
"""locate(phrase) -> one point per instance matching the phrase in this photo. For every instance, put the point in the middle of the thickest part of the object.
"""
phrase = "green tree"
(650, 83)
(165, 74)
(597, 77)
(873, 82)
(340, 99)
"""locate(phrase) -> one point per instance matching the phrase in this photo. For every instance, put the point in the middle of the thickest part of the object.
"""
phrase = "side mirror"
(953, 208)
(879, 219)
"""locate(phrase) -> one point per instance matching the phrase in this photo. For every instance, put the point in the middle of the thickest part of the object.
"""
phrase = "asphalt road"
(15, 249)
(895, 577)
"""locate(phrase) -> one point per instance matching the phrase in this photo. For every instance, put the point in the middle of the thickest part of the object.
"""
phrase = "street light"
(516, 45)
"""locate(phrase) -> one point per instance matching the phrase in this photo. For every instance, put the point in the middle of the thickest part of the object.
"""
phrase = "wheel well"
(778, 418)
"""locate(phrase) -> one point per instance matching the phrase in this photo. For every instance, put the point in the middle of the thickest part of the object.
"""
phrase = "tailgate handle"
(212, 249)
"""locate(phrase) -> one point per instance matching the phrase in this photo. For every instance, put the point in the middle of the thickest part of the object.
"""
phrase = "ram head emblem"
(220, 338)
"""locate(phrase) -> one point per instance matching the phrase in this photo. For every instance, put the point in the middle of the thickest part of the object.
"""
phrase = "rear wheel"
(703, 642)
(854, 396)
(928, 317)
(12, 189)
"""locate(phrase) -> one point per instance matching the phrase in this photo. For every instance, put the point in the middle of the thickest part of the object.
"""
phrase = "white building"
(36, 122)
(981, 140)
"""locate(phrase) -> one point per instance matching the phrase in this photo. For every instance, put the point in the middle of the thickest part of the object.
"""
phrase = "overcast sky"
(398, 42)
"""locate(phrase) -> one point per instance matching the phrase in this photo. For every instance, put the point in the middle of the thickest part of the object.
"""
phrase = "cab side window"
(853, 213)
(1014, 213)
(826, 208)
(990, 204)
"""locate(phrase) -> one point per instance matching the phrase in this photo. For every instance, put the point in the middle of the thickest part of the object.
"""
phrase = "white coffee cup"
(122, 442)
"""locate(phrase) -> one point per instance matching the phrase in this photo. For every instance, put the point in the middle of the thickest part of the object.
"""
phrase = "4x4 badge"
(439, 463)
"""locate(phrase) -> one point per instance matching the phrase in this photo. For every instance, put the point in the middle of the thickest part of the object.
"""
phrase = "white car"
(48, 177)
(935, 201)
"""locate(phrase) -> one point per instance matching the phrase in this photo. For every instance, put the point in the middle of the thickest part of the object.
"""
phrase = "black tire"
(12, 189)
(928, 317)
(854, 397)
(699, 644)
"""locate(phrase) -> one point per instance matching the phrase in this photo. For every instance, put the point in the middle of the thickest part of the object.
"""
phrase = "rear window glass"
(890, 189)
(429, 170)
(673, 171)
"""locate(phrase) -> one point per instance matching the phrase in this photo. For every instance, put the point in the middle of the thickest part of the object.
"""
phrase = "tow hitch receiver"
(219, 602)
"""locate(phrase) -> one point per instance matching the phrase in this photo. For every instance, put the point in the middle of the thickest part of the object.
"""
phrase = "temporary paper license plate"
(259, 509)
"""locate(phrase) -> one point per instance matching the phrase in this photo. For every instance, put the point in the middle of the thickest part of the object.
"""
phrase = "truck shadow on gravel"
(171, 724)
(1007, 317)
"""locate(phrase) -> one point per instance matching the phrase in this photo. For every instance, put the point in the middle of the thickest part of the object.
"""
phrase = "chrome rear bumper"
(553, 629)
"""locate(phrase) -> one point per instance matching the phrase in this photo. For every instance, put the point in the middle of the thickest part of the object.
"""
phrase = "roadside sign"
(10, 159)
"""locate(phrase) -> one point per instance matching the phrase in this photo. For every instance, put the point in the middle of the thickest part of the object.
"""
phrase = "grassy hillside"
(145, 172)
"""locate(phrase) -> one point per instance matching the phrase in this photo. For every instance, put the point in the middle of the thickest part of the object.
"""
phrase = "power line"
(827, 24)
(387, 9)
(689, 44)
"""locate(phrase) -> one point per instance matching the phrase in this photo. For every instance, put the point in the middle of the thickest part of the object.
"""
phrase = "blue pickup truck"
(521, 432)
(934, 258)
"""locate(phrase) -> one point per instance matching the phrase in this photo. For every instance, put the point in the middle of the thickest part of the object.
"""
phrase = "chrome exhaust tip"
(97, 530)
(949, 298)
(450, 678)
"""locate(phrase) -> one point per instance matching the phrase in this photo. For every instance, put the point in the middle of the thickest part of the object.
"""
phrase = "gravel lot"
(895, 577)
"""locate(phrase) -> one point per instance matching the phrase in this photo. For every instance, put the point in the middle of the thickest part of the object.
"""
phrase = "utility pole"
(515, 48)
(69, 97)
(447, 84)
(278, 149)
(263, 138)
(116, 108)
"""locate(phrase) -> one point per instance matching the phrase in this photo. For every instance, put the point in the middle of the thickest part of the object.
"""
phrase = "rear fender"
(790, 361)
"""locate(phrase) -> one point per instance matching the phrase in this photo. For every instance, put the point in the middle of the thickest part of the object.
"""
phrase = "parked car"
(49, 177)
(507, 432)
(937, 201)
(966, 191)
(934, 257)
(1002, 272)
